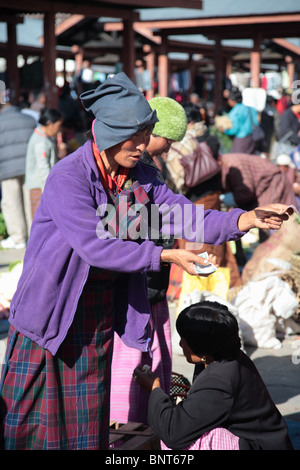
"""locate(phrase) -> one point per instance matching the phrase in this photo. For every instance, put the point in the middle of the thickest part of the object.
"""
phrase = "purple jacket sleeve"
(74, 211)
(76, 216)
(210, 226)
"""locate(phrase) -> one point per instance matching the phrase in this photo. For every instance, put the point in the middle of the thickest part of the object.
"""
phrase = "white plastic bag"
(260, 304)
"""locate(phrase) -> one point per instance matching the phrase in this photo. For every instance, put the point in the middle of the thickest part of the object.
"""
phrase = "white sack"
(260, 304)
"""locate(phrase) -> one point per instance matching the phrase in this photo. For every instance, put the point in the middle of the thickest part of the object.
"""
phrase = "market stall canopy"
(113, 8)
(211, 34)
(11, 10)
(235, 27)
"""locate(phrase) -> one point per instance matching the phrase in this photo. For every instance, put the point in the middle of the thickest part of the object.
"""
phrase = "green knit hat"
(172, 118)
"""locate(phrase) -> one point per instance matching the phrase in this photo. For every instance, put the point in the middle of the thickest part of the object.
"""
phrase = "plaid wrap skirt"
(61, 402)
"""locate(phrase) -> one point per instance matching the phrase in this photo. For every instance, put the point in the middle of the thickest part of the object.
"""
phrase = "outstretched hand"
(270, 217)
(186, 259)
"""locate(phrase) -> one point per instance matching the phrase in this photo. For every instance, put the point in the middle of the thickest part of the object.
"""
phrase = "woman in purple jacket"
(84, 275)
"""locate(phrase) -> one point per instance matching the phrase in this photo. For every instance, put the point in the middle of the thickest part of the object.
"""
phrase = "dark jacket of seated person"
(229, 393)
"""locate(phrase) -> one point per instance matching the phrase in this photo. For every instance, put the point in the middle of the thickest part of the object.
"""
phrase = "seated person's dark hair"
(210, 328)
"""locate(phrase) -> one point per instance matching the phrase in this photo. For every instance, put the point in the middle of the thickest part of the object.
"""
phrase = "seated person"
(228, 406)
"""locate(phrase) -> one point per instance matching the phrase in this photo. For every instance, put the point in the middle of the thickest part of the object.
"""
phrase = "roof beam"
(222, 21)
(198, 48)
(138, 28)
(230, 27)
(196, 4)
(68, 23)
(12, 19)
(96, 10)
(33, 6)
(287, 45)
(146, 33)
(238, 32)
(45, 6)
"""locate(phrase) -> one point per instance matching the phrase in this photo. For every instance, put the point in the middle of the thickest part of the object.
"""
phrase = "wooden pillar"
(193, 70)
(163, 69)
(218, 74)
(78, 52)
(228, 67)
(150, 66)
(13, 77)
(128, 49)
(255, 62)
(290, 66)
(49, 59)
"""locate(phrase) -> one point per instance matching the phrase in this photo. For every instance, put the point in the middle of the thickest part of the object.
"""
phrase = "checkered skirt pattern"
(62, 402)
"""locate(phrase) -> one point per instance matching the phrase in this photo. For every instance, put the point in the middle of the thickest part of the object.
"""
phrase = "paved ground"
(10, 256)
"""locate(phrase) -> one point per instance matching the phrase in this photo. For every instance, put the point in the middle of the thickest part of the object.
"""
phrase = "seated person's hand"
(145, 378)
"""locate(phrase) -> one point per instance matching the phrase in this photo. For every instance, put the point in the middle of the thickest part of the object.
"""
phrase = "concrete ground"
(7, 257)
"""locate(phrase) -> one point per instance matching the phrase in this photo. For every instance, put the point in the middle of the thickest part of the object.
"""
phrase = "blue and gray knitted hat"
(120, 110)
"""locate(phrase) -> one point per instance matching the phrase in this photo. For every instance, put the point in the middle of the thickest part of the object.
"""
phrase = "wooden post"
(192, 68)
(49, 60)
(255, 62)
(150, 65)
(13, 77)
(78, 52)
(163, 69)
(228, 67)
(218, 74)
(290, 66)
(128, 49)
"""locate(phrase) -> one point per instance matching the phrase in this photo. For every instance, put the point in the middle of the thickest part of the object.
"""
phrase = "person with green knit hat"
(172, 120)
(170, 127)
(128, 400)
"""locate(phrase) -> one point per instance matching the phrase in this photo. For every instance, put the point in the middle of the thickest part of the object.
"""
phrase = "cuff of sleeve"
(235, 232)
(156, 261)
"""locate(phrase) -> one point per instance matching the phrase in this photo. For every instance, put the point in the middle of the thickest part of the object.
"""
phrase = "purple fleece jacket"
(66, 239)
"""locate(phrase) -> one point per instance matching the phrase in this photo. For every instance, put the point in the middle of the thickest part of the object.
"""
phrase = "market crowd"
(91, 306)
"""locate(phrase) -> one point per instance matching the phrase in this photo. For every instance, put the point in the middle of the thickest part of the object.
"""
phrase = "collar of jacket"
(144, 174)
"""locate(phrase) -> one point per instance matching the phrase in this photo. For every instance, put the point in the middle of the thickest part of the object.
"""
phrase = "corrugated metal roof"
(222, 8)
